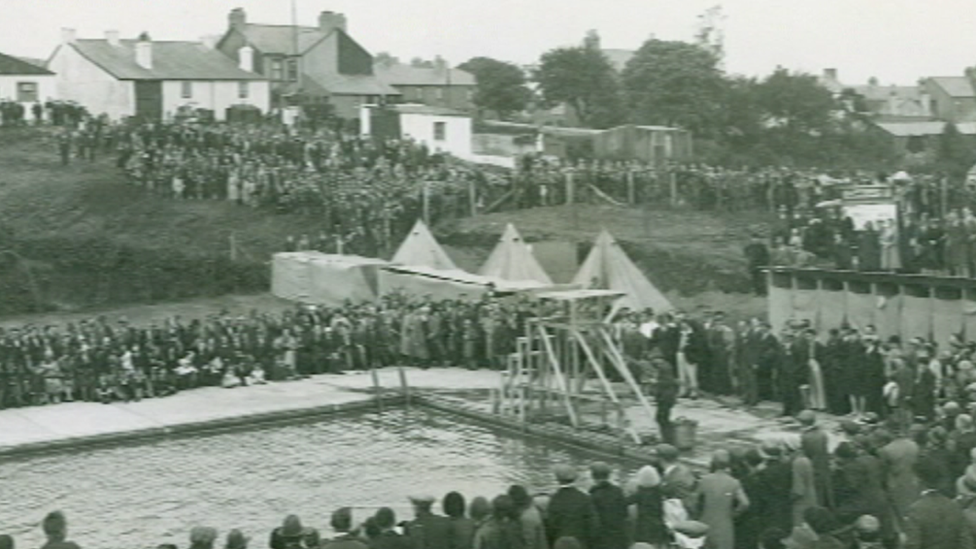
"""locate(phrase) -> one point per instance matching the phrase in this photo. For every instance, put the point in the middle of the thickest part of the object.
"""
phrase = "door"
(149, 99)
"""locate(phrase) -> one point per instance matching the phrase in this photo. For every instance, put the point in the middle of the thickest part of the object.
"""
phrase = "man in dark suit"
(774, 482)
(571, 512)
(677, 480)
(611, 509)
(427, 530)
(814, 444)
(666, 396)
(935, 521)
(757, 256)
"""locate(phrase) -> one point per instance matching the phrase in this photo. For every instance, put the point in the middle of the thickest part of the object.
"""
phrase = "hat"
(202, 535)
(600, 470)
(667, 452)
(845, 450)
(565, 473)
(867, 524)
(422, 499)
(770, 449)
(292, 527)
(648, 477)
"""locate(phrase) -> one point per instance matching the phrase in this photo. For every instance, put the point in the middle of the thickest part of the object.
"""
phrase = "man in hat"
(934, 521)
(757, 256)
(428, 530)
(774, 481)
(813, 440)
(677, 480)
(571, 512)
(666, 396)
(289, 535)
(611, 508)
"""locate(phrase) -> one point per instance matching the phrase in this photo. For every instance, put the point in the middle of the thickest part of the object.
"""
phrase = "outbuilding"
(440, 129)
(25, 83)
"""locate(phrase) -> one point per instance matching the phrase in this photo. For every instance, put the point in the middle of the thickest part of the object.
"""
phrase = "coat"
(804, 489)
(571, 513)
(430, 531)
(863, 492)
(611, 509)
(533, 528)
(722, 497)
(678, 482)
(814, 444)
(897, 458)
(649, 526)
(936, 522)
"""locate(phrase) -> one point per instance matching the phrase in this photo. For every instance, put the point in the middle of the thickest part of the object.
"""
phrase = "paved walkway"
(718, 424)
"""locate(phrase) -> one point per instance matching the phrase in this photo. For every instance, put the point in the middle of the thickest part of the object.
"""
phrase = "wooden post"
(426, 202)
(631, 192)
(570, 188)
(472, 198)
(673, 182)
(403, 385)
(339, 244)
(377, 389)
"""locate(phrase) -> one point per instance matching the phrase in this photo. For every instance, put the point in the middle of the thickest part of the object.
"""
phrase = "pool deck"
(76, 424)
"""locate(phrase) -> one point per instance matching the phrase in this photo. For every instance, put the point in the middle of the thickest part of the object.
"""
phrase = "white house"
(441, 129)
(153, 79)
(25, 82)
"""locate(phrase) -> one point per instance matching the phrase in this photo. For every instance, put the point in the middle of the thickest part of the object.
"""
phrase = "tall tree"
(584, 78)
(675, 84)
(955, 154)
(710, 35)
(385, 59)
(796, 102)
(501, 86)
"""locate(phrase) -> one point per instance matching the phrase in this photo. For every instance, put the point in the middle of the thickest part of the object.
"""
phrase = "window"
(277, 72)
(439, 93)
(440, 131)
(26, 92)
(470, 94)
(293, 70)
(243, 90)
(186, 90)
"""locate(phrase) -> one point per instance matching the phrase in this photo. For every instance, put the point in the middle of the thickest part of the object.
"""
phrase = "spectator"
(463, 527)
(934, 521)
(722, 499)
(388, 537)
(530, 518)
(571, 512)
(55, 527)
(203, 537)
(649, 501)
(427, 530)
(341, 523)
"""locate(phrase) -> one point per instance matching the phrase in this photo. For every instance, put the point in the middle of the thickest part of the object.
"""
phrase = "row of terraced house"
(250, 64)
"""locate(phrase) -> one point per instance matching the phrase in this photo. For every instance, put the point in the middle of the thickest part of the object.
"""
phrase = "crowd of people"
(57, 113)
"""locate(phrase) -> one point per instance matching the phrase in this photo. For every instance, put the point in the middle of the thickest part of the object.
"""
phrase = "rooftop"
(923, 128)
(955, 86)
(11, 65)
(407, 75)
(281, 39)
(411, 108)
(170, 61)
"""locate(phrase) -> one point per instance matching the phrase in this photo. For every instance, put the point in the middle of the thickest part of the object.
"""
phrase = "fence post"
(426, 202)
(673, 181)
(377, 389)
(631, 199)
(403, 385)
(472, 197)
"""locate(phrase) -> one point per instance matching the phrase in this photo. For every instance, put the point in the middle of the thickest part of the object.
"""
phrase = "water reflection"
(140, 496)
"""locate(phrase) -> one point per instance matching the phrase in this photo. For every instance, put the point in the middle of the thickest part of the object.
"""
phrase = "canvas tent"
(608, 267)
(420, 249)
(323, 279)
(513, 260)
(446, 284)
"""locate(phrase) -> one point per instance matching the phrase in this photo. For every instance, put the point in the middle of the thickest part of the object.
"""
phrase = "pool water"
(147, 494)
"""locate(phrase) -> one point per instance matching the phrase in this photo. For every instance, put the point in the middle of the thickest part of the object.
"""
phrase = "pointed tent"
(420, 249)
(513, 260)
(608, 267)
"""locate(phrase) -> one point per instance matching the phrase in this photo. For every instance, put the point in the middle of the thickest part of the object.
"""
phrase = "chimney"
(68, 36)
(330, 20)
(112, 36)
(830, 75)
(893, 100)
(237, 18)
(245, 58)
(144, 51)
(925, 99)
(209, 41)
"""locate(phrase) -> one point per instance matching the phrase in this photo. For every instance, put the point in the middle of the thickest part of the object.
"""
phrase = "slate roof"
(923, 128)
(882, 93)
(280, 39)
(354, 84)
(171, 61)
(412, 108)
(955, 86)
(406, 75)
(10, 65)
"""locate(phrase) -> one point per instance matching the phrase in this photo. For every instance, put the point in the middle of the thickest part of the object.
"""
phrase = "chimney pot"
(237, 18)
(830, 74)
(330, 20)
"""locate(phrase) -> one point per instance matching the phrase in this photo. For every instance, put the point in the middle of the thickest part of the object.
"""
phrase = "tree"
(500, 86)
(955, 154)
(584, 78)
(796, 102)
(385, 59)
(709, 35)
(675, 84)
(421, 63)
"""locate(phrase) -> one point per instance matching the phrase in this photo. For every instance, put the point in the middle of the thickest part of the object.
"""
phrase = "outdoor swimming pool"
(147, 494)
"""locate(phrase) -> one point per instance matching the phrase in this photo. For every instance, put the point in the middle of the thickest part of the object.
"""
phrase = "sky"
(896, 41)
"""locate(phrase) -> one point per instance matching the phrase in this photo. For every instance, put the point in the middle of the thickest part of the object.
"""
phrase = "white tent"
(608, 267)
(420, 248)
(512, 259)
(324, 279)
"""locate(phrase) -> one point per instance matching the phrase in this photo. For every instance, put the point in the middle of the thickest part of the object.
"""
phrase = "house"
(874, 99)
(25, 82)
(438, 86)
(915, 136)
(152, 79)
(322, 61)
(953, 98)
(440, 129)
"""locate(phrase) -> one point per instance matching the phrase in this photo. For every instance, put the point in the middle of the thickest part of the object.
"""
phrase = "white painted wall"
(457, 137)
(78, 79)
(215, 95)
(46, 86)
